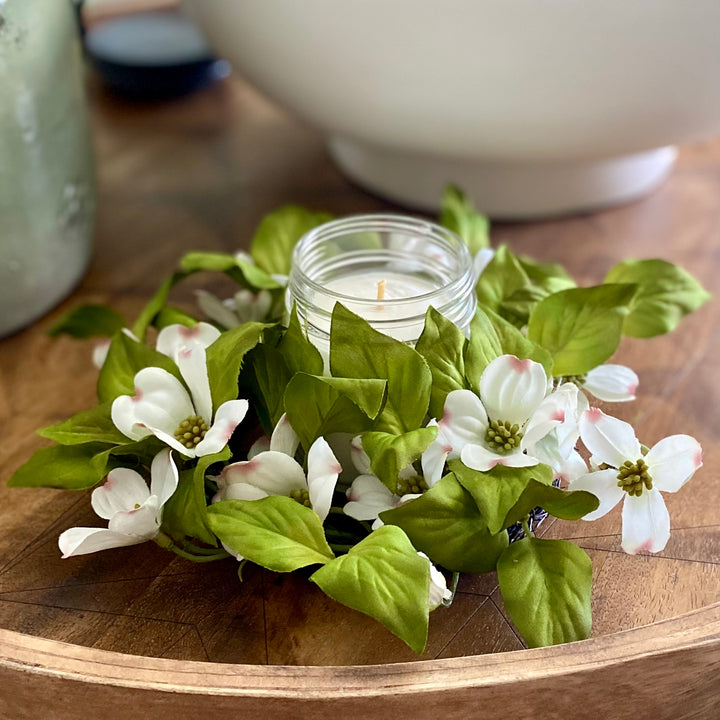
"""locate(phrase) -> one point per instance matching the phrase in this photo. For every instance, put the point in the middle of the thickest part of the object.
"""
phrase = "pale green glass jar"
(47, 194)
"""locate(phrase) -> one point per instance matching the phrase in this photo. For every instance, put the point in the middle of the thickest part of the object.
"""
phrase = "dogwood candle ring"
(387, 269)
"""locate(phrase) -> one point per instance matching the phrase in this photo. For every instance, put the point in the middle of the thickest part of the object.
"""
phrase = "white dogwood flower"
(611, 383)
(274, 473)
(439, 591)
(162, 406)
(626, 474)
(504, 424)
(133, 511)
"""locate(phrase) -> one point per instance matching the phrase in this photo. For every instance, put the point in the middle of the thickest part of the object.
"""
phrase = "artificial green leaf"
(359, 351)
(500, 279)
(156, 304)
(666, 293)
(256, 278)
(516, 309)
(490, 337)
(446, 525)
(276, 532)
(564, 504)
(546, 587)
(185, 513)
(389, 454)
(225, 358)
(268, 379)
(61, 466)
(134, 455)
(581, 327)
(88, 321)
(125, 358)
(457, 213)
(94, 425)
(278, 233)
(551, 277)
(317, 406)
(385, 578)
(242, 271)
(498, 491)
(442, 344)
(174, 316)
(299, 353)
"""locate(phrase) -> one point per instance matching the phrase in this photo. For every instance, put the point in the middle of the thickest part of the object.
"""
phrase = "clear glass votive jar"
(388, 269)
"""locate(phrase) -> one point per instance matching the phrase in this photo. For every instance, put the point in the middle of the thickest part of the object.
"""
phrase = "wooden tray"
(127, 633)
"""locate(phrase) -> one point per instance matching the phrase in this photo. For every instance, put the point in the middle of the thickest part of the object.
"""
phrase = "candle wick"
(381, 290)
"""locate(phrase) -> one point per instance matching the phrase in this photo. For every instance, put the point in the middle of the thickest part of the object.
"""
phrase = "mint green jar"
(47, 194)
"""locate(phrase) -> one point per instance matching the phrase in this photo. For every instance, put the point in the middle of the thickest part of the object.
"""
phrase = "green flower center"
(575, 379)
(633, 477)
(415, 485)
(502, 437)
(302, 496)
(191, 431)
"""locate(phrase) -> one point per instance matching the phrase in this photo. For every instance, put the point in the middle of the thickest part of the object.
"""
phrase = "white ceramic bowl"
(534, 106)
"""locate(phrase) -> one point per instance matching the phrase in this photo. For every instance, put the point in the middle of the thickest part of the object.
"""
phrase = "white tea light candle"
(387, 269)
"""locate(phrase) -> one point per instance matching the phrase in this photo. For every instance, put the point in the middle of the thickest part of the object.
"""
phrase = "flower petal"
(273, 472)
(360, 459)
(603, 484)
(284, 439)
(163, 476)
(242, 491)
(646, 523)
(174, 338)
(368, 498)
(228, 416)
(123, 490)
(673, 461)
(480, 458)
(610, 440)
(262, 444)
(84, 540)
(555, 412)
(216, 309)
(161, 402)
(512, 389)
(142, 522)
(612, 383)
(193, 368)
(252, 307)
(323, 471)
(464, 421)
(433, 459)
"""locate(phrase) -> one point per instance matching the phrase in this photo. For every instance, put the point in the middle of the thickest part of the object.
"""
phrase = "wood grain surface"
(199, 173)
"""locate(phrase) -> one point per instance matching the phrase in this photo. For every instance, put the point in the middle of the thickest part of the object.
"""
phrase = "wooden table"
(198, 174)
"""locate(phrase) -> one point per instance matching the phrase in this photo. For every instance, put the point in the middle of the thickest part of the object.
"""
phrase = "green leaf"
(134, 455)
(156, 304)
(185, 513)
(93, 425)
(225, 358)
(385, 578)
(125, 358)
(500, 279)
(457, 213)
(498, 491)
(318, 406)
(243, 272)
(490, 337)
(446, 525)
(517, 308)
(61, 466)
(442, 344)
(276, 532)
(546, 587)
(551, 277)
(581, 327)
(257, 279)
(299, 353)
(88, 321)
(564, 504)
(359, 351)
(666, 293)
(278, 233)
(268, 378)
(389, 454)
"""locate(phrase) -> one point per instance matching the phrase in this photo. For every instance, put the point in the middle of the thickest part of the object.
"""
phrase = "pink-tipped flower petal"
(228, 416)
(612, 383)
(123, 490)
(673, 461)
(603, 485)
(323, 471)
(610, 440)
(645, 523)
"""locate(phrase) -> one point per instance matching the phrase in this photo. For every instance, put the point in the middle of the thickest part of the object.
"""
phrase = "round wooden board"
(128, 632)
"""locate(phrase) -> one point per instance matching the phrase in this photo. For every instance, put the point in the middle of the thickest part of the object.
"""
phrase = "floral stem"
(165, 541)
(526, 529)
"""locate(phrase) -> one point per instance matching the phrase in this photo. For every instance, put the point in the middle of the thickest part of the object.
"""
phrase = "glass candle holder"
(387, 269)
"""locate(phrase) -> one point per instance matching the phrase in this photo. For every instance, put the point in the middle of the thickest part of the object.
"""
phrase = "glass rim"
(381, 222)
